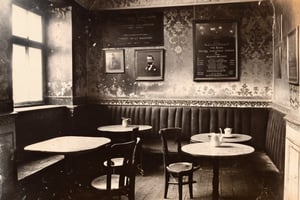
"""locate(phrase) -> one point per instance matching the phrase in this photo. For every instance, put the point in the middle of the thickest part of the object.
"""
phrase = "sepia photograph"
(114, 61)
(149, 64)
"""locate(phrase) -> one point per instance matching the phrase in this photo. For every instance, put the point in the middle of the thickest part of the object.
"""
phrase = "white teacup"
(228, 131)
(125, 121)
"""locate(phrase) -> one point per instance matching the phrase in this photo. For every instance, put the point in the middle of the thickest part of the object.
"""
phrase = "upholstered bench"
(265, 125)
(34, 125)
(192, 120)
(36, 166)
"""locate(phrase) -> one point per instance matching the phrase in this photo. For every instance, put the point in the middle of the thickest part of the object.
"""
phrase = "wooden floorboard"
(235, 183)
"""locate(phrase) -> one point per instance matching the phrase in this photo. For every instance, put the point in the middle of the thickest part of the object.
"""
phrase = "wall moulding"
(134, 4)
(187, 103)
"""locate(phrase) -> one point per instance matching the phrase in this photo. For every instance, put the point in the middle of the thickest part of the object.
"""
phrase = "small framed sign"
(293, 56)
(149, 64)
(215, 50)
(114, 61)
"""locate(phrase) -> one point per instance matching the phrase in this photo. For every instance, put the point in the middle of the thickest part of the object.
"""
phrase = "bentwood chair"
(119, 179)
(175, 169)
(130, 135)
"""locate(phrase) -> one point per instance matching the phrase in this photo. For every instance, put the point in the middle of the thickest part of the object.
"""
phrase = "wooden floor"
(236, 183)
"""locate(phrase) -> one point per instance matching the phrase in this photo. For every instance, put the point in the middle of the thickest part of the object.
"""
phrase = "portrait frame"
(293, 56)
(143, 71)
(215, 50)
(114, 61)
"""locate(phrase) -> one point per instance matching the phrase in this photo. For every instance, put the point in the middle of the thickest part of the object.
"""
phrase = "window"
(27, 56)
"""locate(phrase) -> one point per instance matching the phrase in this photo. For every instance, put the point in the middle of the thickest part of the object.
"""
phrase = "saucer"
(228, 136)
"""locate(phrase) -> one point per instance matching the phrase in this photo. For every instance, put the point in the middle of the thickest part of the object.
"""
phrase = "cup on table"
(125, 121)
(227, 131)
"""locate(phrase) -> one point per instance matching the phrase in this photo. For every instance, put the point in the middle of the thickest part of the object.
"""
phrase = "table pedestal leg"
(215, 183)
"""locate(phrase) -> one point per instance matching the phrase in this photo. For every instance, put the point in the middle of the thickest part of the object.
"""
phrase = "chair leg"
(191, 185)
(131, 193)
(167, 177)
(180, 187)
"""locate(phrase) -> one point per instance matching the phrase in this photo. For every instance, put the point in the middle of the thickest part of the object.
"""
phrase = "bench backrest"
(275, 138)
(192, 120)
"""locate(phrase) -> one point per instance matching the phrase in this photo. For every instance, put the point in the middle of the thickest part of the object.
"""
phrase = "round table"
(222, 151)
(205, 137)
(119, 128)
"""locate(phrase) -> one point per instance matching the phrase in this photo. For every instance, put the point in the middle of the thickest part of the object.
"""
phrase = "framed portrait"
(114, 61)
(215, 50)
(293, 56)
(149, 64)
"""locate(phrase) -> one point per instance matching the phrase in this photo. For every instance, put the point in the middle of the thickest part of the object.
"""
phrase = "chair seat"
(180, 167)
(116, 162)
(100, 182)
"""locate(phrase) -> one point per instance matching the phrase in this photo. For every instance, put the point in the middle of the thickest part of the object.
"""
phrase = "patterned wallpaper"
(5, 34)
(6, 102)
(255, 58)
(286, 19)
(80, 32)
(59, 70)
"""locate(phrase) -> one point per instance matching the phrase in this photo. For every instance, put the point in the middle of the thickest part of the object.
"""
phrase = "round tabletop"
(205, 137)
(68, 144)
(119, 128)
(224, 150)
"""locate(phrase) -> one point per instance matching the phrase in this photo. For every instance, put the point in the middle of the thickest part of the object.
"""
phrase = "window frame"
(27, 43)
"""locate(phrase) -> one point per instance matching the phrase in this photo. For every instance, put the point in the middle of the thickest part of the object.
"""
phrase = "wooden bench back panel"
(275, 138)
(194, 120)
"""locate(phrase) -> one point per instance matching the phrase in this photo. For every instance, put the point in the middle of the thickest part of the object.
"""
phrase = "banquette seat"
(192, 120)
(265, 125)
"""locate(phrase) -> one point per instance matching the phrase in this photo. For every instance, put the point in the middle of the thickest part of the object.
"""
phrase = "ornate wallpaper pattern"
(188, 103)
(255, 41)
(178, 25)
(5, 35)
(286, 19)
(60, 61)
(294, 97)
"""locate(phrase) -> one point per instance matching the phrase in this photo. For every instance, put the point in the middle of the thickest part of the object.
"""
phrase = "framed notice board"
(134, 29)
(215, 50)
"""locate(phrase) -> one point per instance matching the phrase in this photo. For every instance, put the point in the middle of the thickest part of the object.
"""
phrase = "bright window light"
(27, 74)
(26, 24)
(27, 57)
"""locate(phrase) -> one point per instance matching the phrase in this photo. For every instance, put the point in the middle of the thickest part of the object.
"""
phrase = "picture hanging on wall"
(293, 56)
(114, 61)
(215, 50)
(149, 64)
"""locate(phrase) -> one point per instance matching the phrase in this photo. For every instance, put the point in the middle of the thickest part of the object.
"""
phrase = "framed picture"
(215, 50)
(293, 56)
(149, 64)
(114, 61)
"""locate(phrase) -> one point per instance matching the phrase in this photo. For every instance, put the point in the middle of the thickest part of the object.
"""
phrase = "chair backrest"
(123, 150)
(128, 151)
(168, 136)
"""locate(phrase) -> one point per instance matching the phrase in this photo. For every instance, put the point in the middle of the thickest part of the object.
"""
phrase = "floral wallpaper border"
(188, 103)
